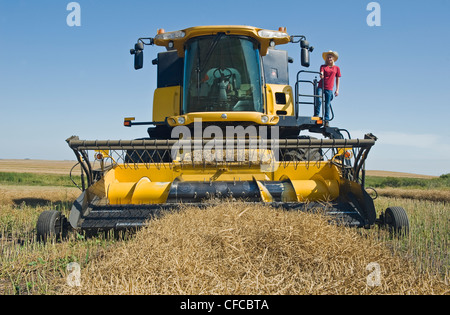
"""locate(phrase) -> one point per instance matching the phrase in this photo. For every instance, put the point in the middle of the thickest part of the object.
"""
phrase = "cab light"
(170, 35)
(272, 34)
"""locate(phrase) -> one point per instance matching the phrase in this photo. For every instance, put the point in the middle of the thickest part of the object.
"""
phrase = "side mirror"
(305, 57)
(305, 49)
(304, 44)
(138, 53)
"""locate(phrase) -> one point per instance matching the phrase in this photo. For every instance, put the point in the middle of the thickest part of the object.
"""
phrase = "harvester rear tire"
(51, 224)
(396, 220)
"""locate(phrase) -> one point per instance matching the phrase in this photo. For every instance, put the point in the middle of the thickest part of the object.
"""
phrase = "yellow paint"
(166, 102)
(272, 106)
(302, 181)
(265, 194)
(315, 190)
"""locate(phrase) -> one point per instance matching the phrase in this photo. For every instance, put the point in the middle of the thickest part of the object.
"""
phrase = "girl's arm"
(338, 81)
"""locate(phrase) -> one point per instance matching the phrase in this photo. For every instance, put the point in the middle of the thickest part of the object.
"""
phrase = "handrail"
(314, 96)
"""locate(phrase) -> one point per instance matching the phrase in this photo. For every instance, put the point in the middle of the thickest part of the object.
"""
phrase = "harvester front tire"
(303, 155)
(396, 220)
(51, 224)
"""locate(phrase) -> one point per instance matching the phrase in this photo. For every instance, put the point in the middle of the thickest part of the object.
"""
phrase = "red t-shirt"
(329, 74)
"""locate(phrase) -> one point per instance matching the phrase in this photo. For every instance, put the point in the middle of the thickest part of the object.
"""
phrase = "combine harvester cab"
(226, 125)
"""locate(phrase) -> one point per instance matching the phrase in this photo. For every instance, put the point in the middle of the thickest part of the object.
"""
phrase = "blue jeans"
(328, 95)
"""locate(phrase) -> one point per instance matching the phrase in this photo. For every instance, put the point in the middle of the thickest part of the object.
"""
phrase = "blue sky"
(57, 81)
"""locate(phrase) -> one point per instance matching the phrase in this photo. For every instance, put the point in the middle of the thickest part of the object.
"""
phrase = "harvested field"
(35, 195)
(38, 166)
(416, 194)
(397, 174)
(240, 249)
(231, 248)
(226, 249)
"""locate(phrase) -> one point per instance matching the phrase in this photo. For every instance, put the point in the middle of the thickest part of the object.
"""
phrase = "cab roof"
(177, 39)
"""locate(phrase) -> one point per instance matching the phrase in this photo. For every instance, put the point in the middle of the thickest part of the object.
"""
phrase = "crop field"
(227, 248)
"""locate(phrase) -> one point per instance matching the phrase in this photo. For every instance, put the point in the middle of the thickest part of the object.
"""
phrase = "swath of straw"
(233, 248)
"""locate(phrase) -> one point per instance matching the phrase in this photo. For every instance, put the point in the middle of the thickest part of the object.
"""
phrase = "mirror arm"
(146, 41)
(300, 37)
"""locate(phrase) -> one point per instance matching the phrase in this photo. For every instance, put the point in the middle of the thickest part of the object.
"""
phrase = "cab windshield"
(222, 74)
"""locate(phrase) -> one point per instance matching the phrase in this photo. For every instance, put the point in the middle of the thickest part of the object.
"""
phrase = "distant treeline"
(399, 182)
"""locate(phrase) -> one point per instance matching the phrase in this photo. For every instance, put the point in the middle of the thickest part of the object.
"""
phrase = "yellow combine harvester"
(226, 125)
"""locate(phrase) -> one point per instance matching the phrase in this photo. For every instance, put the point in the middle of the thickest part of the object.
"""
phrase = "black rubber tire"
(303, 155)
(396, 220)
(369, 208)
(50, 224)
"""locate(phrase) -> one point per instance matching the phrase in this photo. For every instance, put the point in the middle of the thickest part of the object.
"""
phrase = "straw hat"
(330, 52)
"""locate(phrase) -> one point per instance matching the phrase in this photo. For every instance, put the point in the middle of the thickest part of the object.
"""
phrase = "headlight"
(272, 34)
(264, 119)
(181, 120)
(170, 35)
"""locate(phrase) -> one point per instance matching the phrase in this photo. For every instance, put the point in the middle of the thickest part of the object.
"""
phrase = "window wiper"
(211, 49)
